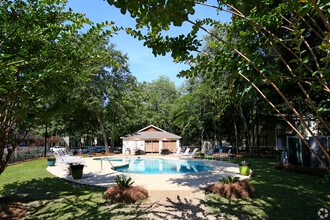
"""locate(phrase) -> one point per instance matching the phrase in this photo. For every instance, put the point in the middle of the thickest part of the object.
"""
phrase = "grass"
(48, 197)
(280, 195)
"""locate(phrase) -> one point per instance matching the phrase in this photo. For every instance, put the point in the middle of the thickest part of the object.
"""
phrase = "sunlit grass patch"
(48, 197)
(280, 195)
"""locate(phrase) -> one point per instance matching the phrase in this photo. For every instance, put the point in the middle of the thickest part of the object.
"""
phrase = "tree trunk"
(103, 131)
(257, 133)
(247, 134)
(4, 163)
(253, 141)
(235, 129)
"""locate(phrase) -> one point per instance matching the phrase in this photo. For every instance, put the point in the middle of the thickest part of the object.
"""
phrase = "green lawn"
(49, 197)
(280, 195)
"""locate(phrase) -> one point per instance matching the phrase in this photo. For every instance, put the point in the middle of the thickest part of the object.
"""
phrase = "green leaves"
(123, 182)
(229, 180)
(42, 59)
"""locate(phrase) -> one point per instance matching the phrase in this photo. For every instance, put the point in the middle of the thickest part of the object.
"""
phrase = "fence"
(23, 153)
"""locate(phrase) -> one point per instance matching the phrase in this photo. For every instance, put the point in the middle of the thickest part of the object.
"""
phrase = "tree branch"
(326, 23)
(257, 25)
(22, 61)
(291, 72)
(286, 120)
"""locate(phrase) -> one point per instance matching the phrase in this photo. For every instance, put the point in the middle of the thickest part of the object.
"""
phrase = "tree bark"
(247, 134)
(103, 131)
(3, 164)
(257, 122)
(235, 129)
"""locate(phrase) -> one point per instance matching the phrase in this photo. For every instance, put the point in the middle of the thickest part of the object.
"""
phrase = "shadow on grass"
(179, 208)
(53, 198)
(48, 188)
(280, 195)
(89, 207)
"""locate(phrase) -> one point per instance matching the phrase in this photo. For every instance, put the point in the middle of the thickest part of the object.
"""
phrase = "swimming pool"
(159, 166)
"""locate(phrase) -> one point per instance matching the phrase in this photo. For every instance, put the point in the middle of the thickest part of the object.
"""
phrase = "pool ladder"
(112, 166)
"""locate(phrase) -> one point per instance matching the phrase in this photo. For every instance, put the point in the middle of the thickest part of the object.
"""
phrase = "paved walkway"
(172, 196)
(177, 204)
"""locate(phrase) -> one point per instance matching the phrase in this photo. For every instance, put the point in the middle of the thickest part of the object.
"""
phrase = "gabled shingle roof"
(151, 135)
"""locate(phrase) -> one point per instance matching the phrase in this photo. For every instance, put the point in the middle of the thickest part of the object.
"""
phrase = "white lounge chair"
(194, 152)
(62, 158)
(186, 153)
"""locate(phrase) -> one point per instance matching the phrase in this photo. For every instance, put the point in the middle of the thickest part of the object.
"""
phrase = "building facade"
(150, 139)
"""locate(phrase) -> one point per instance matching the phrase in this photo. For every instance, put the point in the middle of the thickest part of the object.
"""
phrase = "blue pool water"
(160, 166)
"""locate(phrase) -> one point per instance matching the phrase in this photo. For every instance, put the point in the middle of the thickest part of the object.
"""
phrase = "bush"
(229, 180)
(124, 182)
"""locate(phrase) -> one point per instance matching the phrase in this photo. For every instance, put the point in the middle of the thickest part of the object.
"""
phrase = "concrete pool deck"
(94, 175)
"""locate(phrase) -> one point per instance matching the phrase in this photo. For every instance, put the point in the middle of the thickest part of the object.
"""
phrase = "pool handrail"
(113, 167)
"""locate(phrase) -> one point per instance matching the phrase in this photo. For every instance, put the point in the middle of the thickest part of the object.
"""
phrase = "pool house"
(150, 139)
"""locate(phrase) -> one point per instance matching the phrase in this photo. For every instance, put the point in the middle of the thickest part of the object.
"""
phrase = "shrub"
(123, 182)
(229, 180)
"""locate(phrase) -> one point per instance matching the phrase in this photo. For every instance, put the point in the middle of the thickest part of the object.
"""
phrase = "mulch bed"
(128, 196)
(10, 209)
(240, 189)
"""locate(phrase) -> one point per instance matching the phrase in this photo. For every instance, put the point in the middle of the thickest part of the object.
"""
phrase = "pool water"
(160, 166)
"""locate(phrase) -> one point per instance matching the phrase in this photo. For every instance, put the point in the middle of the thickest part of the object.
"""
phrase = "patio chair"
(193, 154)
(210, 153)
(220, 152)
(186, 153)
(228, 155)
(62, 158)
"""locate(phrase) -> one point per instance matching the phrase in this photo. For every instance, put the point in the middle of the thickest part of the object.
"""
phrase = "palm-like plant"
(229, 180)
(123, 182)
